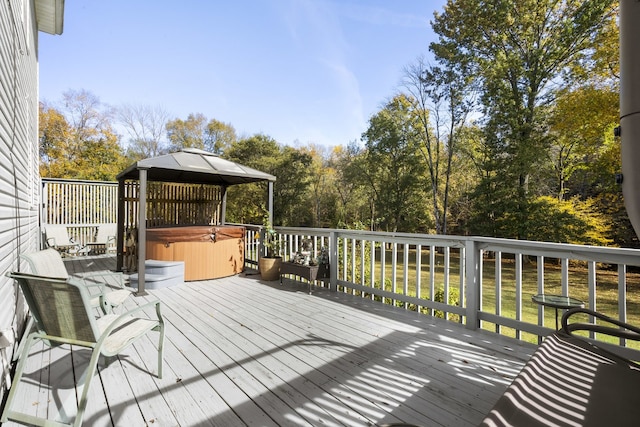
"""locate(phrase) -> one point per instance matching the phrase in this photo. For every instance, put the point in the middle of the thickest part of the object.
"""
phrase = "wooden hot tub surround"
(208, 252)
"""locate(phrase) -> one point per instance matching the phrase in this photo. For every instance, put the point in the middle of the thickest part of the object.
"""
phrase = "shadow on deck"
(240, 351)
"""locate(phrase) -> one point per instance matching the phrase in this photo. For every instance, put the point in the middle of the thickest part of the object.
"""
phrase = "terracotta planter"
(269, 268)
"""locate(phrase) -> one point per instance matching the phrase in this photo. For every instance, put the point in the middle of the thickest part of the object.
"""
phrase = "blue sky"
(300, 71)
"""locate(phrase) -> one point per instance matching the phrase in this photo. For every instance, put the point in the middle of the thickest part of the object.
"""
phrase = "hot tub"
(208, 252)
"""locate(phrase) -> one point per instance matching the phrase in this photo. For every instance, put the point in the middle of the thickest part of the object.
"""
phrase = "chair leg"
(160, 340)
(89, 374)
(27, 331)
(27, 343)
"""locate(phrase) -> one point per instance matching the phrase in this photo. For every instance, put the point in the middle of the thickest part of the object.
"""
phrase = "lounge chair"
(573, 381)
(105, 239)
(57, 237)
(64, 315)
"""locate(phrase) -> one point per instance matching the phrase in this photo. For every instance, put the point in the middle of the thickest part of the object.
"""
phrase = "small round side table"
(557, 301)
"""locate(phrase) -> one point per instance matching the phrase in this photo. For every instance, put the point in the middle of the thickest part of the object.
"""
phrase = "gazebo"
(188, 166)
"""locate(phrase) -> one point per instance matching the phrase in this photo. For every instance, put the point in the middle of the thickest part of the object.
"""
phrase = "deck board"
(242, 352)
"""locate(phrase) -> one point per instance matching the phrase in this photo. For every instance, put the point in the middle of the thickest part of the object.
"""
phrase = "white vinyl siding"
(19, 180)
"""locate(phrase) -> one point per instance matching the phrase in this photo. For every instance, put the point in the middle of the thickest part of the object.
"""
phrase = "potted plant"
(269, 264)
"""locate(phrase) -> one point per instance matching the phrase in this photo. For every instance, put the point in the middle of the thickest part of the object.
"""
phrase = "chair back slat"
(106, 232)
(60, 307)
(47, 263)
(58, 233)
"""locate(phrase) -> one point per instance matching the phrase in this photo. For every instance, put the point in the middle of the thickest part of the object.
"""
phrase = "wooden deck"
(242, 352)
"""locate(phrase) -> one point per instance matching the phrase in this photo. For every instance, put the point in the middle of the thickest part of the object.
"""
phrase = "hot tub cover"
(194, 233)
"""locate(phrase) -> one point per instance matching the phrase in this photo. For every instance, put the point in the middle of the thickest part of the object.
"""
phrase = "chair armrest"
(127, 317)
(624, 330)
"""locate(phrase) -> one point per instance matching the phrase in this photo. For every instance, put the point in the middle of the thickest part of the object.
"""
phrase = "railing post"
(473, 284)
(622, 296)
(333, 261)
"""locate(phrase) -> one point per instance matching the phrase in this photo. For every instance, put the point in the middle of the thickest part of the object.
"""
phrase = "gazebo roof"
(194, 166)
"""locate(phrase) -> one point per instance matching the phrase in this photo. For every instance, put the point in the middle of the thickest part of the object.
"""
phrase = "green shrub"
(454, 299)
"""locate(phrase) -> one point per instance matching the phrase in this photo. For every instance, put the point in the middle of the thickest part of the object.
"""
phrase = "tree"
(100, 159)
(86, 114)
(195, 132)
(393, 166)
(292, 169)
(145, 126)
(189, 133)
(321, 195)
(577, 142)
(515, 50)
(219, 136)
(441, 102)
(568, 221)
(353, 199)
(55, 139)
(291, 205)
(601, 65)
(79, 143)
(246, 202)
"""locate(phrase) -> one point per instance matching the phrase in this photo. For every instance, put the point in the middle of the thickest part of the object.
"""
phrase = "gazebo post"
(120, 230)
(141, 249)
(223, 214)
(270, 202)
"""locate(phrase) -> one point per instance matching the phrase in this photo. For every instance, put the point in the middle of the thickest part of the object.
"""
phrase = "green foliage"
(393, 167)
(454, 299)
(441, 101)
(271, 241)
(288, 165)
(570, 221)
(187, 133)
(355, 198)
(515, 50)
(79, 144)
(321, 198)
(245, 202)
(218, 136)
(579, 144)
(293, 170)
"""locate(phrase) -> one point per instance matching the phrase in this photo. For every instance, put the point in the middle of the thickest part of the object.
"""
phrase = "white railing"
(480, 282)
(80, 205)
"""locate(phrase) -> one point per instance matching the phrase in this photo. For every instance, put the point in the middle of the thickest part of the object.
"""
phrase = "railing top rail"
(603, 254)
(78, 181)
(562, 250)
